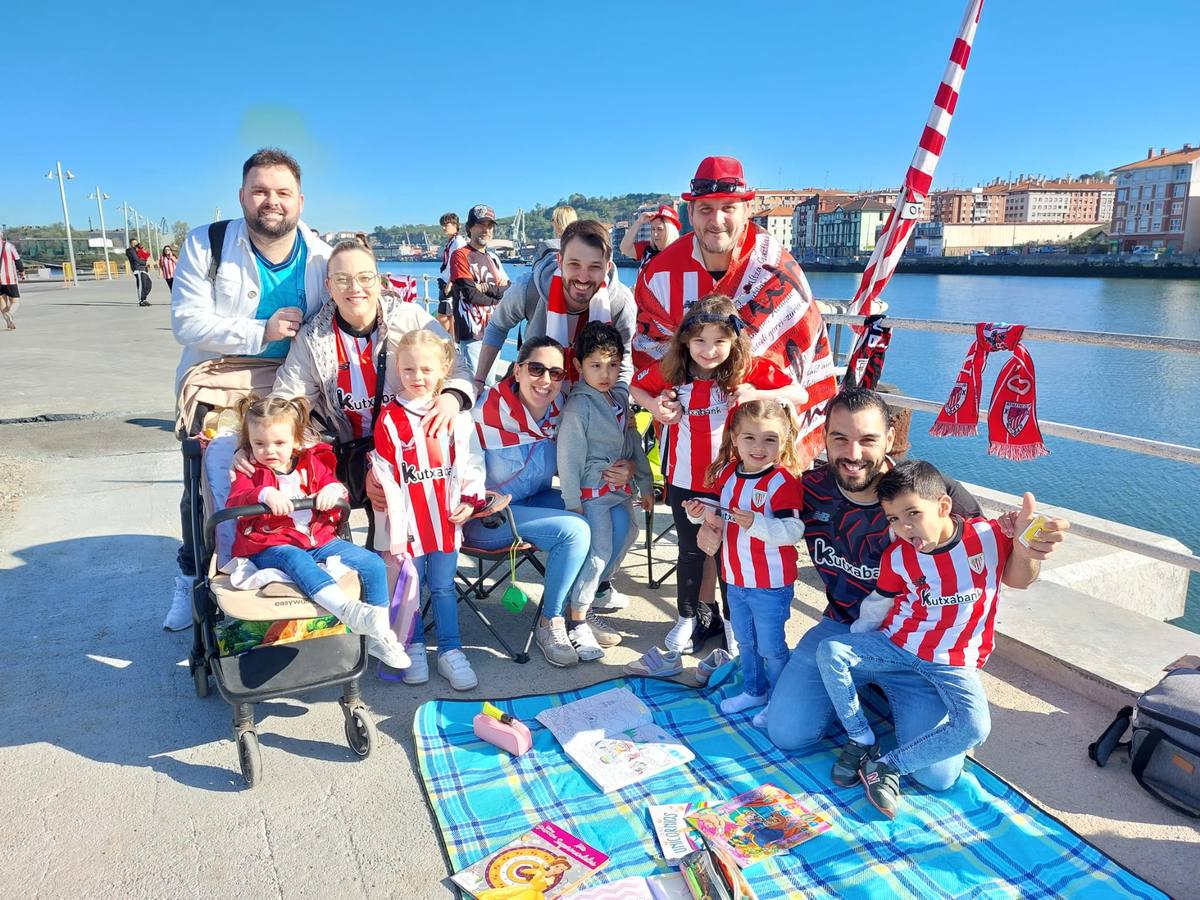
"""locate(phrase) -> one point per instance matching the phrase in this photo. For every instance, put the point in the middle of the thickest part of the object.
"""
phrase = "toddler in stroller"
(295, 541)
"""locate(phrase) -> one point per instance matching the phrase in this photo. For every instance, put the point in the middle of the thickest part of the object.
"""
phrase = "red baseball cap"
(668, 213)
(719, 178)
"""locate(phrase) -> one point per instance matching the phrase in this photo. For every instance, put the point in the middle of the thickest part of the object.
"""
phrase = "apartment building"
(1063, 201)
(804, 219)
(1157, 202)
(849, 229)
(777, 222)
(769, 198)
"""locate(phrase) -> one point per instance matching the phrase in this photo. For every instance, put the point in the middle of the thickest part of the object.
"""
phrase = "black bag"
(353, 457)
(1164, 749)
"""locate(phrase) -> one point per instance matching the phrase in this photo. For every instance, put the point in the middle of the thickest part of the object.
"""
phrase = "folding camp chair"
(645, 425)
(496, 567)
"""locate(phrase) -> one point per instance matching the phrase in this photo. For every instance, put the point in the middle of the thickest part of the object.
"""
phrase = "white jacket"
(212, 320)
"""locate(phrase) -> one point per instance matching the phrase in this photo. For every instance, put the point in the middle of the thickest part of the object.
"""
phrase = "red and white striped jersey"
(8, 263)
(944, 609)
(356, 371)
(167, 265)
(690, 446)
(434, 476)
(749, 561)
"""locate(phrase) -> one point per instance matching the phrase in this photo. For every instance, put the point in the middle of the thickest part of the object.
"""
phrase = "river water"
(1142, 393)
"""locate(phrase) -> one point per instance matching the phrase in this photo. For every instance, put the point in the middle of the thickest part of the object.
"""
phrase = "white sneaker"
(555, 644)
(584, 642)
(679, 638)
(418, 666)
(605, 636)
(388, 650)
(179, 616)
(610, 600)
(453, 666)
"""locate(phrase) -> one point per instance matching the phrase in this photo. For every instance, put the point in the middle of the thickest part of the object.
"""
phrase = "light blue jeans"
(435, 571)
(301, 566)
(610, 519)
(758, 616)
(872, 654)
(544, 522)
(801, 713)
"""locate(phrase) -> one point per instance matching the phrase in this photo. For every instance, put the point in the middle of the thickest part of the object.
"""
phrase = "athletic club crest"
(921, 589)
(976, 563)
(758, 499)
(958, 394)
(1016, 416)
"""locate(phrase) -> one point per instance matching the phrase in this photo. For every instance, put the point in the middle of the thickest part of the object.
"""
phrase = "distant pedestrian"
(140, 268)
(166, 263)
(454, 240)
(10, 273)
(664, 230)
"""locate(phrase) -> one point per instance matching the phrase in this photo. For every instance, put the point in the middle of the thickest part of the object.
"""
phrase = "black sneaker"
(850, 760)
(881, 784)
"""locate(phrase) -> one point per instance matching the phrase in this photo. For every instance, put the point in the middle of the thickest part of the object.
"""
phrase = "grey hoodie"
(589, 441)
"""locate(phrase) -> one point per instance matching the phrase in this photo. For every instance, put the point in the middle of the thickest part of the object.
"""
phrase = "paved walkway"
(119, 782)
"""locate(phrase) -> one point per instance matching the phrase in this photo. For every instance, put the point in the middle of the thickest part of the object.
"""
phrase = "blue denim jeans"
(301, 566)
(801, 713)
(543, 521)
(435, 571)
(610, 519)
(758, 616)
(873, 654)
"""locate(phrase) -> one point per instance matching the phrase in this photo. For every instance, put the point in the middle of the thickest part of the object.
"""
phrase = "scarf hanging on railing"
(502, 420)
(865, 365)
(1013, 431)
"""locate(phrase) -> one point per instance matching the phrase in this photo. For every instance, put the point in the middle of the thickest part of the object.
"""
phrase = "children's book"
(758, 824)
(613, 738)
(544, 863)
(676, 836)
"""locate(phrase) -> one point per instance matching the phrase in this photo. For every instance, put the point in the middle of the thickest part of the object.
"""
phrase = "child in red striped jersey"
(756, 474)
(433, 485)
(708, 368)
(935, 606)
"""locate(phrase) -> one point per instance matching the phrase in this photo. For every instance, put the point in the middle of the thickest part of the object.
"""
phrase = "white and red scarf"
(1013, 431)
(558, 319)
(501, 419)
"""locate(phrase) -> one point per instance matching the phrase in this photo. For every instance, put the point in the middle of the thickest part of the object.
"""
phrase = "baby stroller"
(257, 644)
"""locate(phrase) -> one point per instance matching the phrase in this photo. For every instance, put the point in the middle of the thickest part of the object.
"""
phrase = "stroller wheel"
(200, 679)
(249, 757)
(360, 732)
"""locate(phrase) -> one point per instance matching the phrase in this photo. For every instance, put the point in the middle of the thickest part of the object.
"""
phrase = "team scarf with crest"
(1013, 431)
(501, 419)
(865, 366)
(558, 319)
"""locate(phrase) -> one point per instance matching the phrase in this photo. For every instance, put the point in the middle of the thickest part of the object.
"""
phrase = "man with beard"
(728, 254)
(477, 280)
(847, 531)
(269, 280)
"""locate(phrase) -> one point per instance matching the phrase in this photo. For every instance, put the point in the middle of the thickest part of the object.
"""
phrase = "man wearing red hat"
(729, 254)
(664, 230)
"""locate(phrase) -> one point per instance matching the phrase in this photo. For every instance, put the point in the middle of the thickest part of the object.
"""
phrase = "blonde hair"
(562, 217)
(759, 411)
(422, 337)
(266, 411)
(712, 309)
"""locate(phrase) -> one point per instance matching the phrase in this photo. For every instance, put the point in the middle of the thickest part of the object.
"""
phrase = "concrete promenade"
(119, 782)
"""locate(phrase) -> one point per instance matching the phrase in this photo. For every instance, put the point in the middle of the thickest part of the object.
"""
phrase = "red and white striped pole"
(894, 236)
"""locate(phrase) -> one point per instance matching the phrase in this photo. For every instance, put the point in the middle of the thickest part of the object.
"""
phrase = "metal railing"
(840, 319)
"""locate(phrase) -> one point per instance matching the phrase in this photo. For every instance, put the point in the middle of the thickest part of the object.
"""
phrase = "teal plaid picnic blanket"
(981, 838)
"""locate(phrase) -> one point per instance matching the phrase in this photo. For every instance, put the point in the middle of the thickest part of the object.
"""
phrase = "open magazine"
(544, 863)
(613, 738)
(757, 824)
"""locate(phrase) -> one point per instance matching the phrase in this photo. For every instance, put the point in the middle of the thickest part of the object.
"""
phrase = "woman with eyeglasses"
(517, 421)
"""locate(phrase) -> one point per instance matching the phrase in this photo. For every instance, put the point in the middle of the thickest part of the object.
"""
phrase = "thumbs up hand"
(1047, 538)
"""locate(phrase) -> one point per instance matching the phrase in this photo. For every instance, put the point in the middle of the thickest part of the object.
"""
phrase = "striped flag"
(894, 237)
(404, 285)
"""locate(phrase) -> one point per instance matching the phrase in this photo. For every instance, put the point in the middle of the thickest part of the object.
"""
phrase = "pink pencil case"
(514, 738)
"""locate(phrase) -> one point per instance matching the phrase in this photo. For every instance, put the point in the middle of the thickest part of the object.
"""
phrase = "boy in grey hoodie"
(596, 430)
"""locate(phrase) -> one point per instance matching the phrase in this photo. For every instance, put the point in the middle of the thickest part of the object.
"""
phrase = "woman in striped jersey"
(757, 477)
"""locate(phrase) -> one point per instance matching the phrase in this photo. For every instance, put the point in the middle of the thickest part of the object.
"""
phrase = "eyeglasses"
(537, 370)
(364, 279)
(702, 186)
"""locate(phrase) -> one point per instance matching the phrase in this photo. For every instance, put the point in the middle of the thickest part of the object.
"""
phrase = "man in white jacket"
(270, 279)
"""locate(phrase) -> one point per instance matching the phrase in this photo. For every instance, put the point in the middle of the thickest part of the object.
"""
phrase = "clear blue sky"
(534, 102)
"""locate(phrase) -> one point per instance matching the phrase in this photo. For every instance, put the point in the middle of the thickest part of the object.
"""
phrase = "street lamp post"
(57, 172)
(100, 197)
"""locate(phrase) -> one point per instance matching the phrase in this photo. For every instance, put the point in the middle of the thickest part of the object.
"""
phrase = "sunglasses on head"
(702, 186)
(537, 370)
